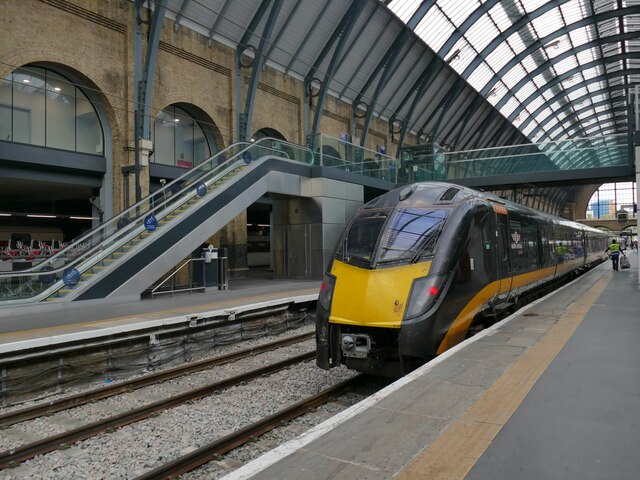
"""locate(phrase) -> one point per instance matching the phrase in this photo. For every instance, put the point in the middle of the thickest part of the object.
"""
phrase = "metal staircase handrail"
(161, 203)
(122, 215)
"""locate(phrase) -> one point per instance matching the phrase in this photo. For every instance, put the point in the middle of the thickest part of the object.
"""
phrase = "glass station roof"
(555, 69)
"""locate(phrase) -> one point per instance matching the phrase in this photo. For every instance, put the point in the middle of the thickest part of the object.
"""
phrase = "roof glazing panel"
(563, 66)
(481, 76)
(539, 40)
(501, 17)
(482, 32)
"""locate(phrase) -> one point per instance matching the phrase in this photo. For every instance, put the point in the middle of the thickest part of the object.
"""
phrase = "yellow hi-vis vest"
(614, 247)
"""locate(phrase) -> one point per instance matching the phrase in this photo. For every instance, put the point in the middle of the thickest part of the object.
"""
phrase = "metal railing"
(66, 267)
(168, 285)
(335, 153)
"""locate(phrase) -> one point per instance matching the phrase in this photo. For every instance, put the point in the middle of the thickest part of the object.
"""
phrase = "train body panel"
(419, 266)
(373, 298)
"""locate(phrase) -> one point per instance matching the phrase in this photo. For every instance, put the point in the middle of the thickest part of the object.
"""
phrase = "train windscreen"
(391, 236)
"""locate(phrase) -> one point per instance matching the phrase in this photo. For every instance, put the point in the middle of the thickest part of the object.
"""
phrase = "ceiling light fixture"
(25, 80)
(57, 89)
(81, 218)
(40, 216)
(5, 214)
(454, 56)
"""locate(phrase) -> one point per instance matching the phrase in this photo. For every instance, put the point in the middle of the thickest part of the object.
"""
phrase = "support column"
(306, 229)
(636, 151)
(637, 159)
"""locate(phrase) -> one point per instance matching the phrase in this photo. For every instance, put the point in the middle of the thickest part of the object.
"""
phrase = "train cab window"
(390, 236)
(360, 238)
(410, 234)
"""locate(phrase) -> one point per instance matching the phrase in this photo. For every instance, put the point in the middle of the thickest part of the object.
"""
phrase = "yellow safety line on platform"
(454, 453)
(193, 310)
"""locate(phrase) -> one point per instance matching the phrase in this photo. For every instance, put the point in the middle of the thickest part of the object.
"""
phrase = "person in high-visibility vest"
(615, 250)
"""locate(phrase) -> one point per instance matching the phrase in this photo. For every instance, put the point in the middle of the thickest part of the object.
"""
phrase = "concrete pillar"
(637, 160)
(306, 229)
(233, 237)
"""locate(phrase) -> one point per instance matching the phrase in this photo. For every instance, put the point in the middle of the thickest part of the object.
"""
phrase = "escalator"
(125, 255)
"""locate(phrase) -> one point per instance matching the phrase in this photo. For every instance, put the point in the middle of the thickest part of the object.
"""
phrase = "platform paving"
(551, 392)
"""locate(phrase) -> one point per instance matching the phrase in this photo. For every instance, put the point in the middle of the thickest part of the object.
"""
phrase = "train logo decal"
(516, 237)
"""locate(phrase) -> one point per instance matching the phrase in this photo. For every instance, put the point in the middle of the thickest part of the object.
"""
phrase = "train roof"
(430, 194)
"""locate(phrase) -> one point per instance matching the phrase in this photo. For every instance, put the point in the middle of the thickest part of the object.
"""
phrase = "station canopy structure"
(462, 74)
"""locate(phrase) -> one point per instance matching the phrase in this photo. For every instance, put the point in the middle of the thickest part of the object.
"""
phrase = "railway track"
(73, 401)
(223, 445)
(13, 457)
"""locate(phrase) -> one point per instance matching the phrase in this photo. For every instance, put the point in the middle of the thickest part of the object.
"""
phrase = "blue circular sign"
(201, 189)
(71, 277)
(246, 156)
(150, 222)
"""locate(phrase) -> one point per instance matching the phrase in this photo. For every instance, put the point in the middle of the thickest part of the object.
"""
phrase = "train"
(422, 267)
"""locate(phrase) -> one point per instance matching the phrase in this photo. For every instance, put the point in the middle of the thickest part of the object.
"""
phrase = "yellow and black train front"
(419, 268)
(378, 305)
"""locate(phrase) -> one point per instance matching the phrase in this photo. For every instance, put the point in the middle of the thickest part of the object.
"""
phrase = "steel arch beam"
(388, 63)
(540, 43)
(418, 88)
(596, 115)
(464, 26)
(503, 36)
(180, 14)
(549, 133)
(340, 35)
(345, 87)
(284, 28)
(145, 87)
(481, 128)
(563, 56)
(551, 62)
(584, 83)
(221, 15)
(296, 54)
(582, 98)
(543, 41)
(560, 78)
(453, 126)
(245, 120)
(477, 101)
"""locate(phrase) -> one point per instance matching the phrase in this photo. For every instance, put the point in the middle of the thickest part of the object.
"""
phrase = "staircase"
(162, 228)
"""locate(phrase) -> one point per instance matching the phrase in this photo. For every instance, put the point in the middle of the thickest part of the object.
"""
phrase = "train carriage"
(419, 268)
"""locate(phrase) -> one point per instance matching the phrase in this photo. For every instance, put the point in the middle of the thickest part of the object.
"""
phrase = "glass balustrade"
(65, 268)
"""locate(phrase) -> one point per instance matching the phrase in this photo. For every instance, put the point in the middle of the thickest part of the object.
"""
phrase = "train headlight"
(424, 293)
(326, 291)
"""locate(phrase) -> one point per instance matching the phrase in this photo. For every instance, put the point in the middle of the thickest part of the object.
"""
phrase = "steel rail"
(14, 456)
(223, 445)
(73, 401)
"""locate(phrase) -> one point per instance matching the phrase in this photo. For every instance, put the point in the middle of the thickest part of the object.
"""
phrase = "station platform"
(552, 392)
(25, 326)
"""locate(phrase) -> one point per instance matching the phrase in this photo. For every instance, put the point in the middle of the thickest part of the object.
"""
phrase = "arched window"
(179, 139)
(611, 198)
(41, 107)
(267, 132)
